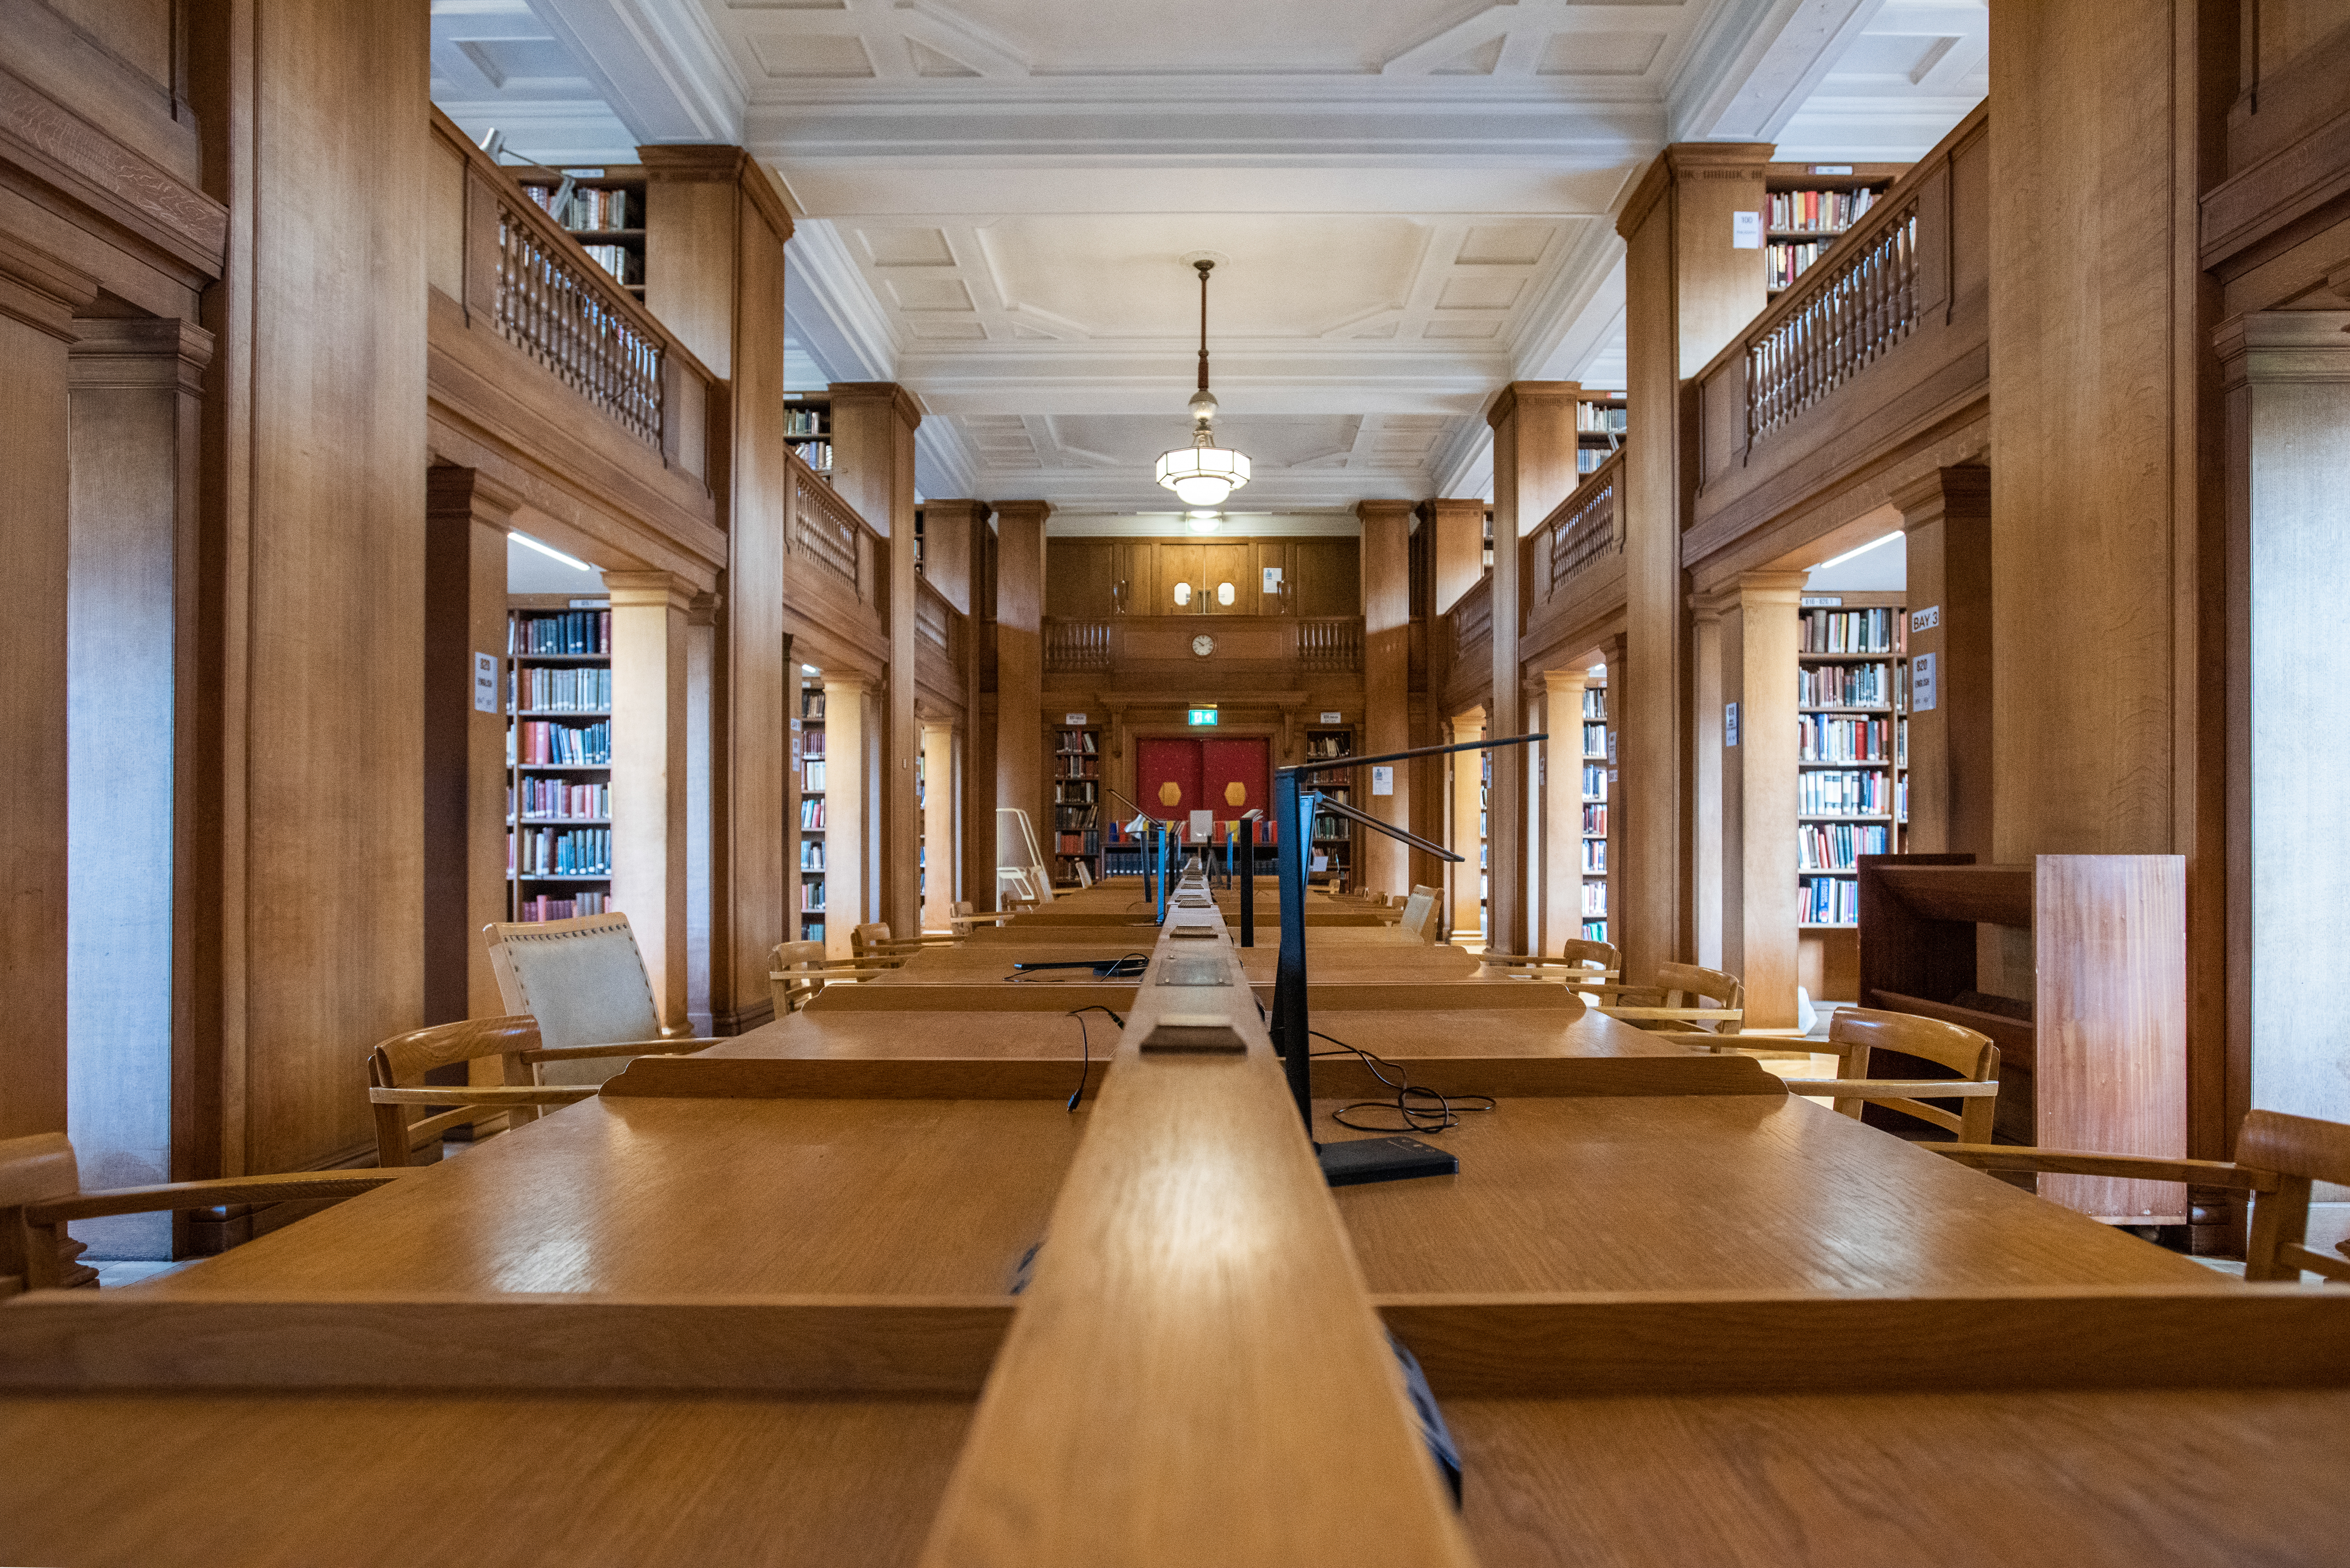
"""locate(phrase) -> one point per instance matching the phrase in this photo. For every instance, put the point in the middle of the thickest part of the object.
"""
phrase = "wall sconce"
(1223, 593)
(1182, 594)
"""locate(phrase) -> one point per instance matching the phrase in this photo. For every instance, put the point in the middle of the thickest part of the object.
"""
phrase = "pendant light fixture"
(1202, 474)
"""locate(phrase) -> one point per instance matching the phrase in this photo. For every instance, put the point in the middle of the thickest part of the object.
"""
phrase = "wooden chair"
(799, 972)
(41, 1194)
(1858, 1033)
(1662, 1007)
(872, 946)
(1420, 914)
(1582, 966)
(965, 918)
(2278, 1157)
(584, 981)
(396, 1071)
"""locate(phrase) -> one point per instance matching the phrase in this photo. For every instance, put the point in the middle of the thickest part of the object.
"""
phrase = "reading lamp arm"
(1338, 764)
(1324, 803)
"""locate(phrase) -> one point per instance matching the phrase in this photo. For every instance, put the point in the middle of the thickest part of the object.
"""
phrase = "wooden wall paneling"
(1947, 518)
(2288, 391)
(939, 845)
(873, 467)
(1759, 920)
(315, 123)
(1709, 684)
(1456, 548)
(950, 540)
(981, 707)
(134, 421)
(1689, 291)
(465, 778)
(1328, 579)
(849, 832)
(650, 611)
(705, 813)
(1561, 798)
(1462, 878)
(1386, 556)
(1020, 777)
(1083, 582)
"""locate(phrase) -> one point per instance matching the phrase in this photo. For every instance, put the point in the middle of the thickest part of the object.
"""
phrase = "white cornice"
(834, 313)
(660, 66)
(943, 464)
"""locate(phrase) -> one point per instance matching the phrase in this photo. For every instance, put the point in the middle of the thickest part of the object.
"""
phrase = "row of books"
(1594, 783)
(570, 634)
(1825, 738)
(1595, 820)
(1594, 931)
(1594, 898)
(1834, 846)
(544, 743)
(812, 898)
(812, 703)
(803, 422)
(1595, 740)
(1078, 844)
(1329, 743)
(585, 689)
(1070, 765)
(1117, 833)
(1588, 458)
(1595, 857)
(1845, 686)
(560, 852)
(817, 454)
(812, 815)
(1076, 743)
(1595, 702)
(1600, 417)
(811, 776)
(1814, 212)
(812, 743)
(1851, 631)
(542, 908)
(585, 208)
(1863, 791)
(617, 260)
(811, 854)
(1830, 901)
(557, 799)
(1072, 818)
(1329, 827)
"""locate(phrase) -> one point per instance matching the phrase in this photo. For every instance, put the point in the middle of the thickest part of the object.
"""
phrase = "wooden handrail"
(1471, 616)
(825, 528)
(1582, 529)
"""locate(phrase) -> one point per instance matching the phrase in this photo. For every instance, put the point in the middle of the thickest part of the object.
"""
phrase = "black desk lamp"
(1390, 1159)
(1154, 879)
(1248, 877)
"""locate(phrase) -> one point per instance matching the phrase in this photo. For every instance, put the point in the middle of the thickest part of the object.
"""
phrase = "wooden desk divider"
(853, 1078)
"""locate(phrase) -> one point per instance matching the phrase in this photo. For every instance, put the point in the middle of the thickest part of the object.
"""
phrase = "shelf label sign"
(1073, 718)
(485, 682)
(1746, 231)
(1921, 684)
(1926, 620)
(1382, 781)
(1330, 719)
(1730, 723)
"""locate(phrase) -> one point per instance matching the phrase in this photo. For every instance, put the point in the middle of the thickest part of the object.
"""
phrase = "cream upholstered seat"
(1420, 914)
(584, 981)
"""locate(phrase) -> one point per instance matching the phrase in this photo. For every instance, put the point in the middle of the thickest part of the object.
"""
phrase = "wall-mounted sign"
(1200, 716)
(1926, 620)
(1730, 723)
(1330, 718)
(1273, 579)
(1382, 781)
(1921, 682)
(485, 682)
(1073, 718)
(1746, 231)
(1821, 601)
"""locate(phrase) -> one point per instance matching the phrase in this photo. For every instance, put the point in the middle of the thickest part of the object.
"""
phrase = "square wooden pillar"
(1947, 519)
(1562, 794)
(1690, 287)
(1387, 685)
(1457, 553)
(1019, 672)
(650, 612)
(1707, 806)
(849, 829)
(1465, 877)
(940, 852)
(1760, 897)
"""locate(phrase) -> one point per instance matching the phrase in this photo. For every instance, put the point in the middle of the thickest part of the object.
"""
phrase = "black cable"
(1085, 1045)
(1415, 1118)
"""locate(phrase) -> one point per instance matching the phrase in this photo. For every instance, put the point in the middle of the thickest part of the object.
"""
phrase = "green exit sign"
(1203, 716)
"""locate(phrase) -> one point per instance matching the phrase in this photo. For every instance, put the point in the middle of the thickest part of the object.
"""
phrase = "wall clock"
(1203, 645)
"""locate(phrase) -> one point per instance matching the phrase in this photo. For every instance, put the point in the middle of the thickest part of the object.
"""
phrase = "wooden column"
(1613, 652)
(466, 777)
(705, 923)
(649, 773)
(1562, 833)
(1707, 807)
(1760, 894)
(1458, 554)
(1019, 671)
(873, 426)
(1462, 878)
(135, 420)
(1689, 289)
(848, 830)
(316, 127)
(1947, 519)
(1387, 684)
(940, 847)
(1534, 471)
(715, 228)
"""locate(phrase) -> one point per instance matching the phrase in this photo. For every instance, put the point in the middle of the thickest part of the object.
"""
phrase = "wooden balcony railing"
(1073, 647)
(1582, 531)
(1333, 647)
(1852, 307)
(564, 311)
(1155, 646)
(1472, 623)
(933, 620)
(826, 529)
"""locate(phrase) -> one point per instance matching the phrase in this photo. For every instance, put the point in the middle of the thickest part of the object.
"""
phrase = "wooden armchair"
(872, 946)
(799, 972)
(584, 981)
(1667, 1004)
(2278, 1157)
(1858, 1033)
(965, 919)
(1584, 965)
(396, 1071)
(41, 1194)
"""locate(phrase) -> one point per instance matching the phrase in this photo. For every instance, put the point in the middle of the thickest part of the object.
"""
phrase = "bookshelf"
(1593, 847)
(603, 209)
(1807, 205)
(559, 757)
(1852, 710)
(1334, 835)
(811, 837)
(807, 430)
(1599, 427)
(1076, 802)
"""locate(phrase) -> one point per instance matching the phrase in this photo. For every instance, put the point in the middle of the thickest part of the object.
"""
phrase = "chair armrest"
(1764, 1047)
(1891, 1089)
(1552, 960)
(682, 1046)
(175, 1196)
(487, 1095)
(1723, 1014)
(824, 974)
(2127, 1167)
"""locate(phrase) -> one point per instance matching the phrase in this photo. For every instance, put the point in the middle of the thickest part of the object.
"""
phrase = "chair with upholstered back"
(41, 1194)
(584, 980)
(2279, 1159)
(1420, 914)
(1679, 1001)
(1858, 1033)
(396, 1082)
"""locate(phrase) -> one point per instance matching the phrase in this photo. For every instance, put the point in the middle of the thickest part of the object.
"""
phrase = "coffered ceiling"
(1409, 201)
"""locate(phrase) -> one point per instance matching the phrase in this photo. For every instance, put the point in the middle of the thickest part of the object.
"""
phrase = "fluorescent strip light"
(546, 549)
(1863, 550)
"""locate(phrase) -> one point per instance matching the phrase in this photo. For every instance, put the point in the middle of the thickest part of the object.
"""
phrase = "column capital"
(1504, 404)
(1558, 681)
(1367, 510)
(1691, 160)
(1770, 588)
(41, 290)
(903, 403)
(651, 590)
(148, 351)
(1944, 490)
(1011, 512)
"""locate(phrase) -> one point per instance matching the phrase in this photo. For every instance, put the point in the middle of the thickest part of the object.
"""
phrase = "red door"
(1236, 777)
(1166, 773)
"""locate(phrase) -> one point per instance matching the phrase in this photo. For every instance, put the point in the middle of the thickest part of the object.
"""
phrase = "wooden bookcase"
(812, 817)
(807, 430)
(1593, 848)
(559, 757)
(1852, 703)
(605, 211)
(1599, 427)
(1334, 836)
(1807, 205)
(1076, 802)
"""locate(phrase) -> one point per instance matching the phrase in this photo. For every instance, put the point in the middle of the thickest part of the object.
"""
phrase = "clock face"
(1204, 646)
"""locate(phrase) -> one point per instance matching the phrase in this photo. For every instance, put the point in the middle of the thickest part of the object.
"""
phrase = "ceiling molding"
(1756, 76)
(661, 68)
(944, 465)
(832, 311)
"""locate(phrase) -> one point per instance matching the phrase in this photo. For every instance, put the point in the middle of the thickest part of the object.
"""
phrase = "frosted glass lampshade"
(1203, 475)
